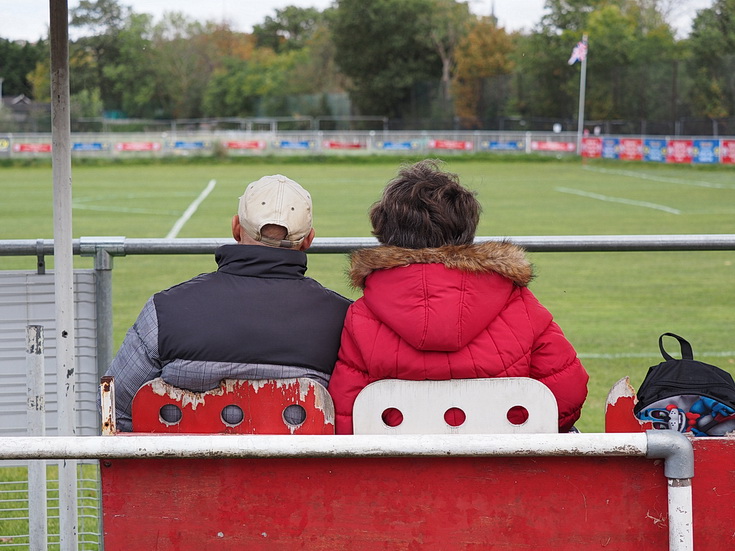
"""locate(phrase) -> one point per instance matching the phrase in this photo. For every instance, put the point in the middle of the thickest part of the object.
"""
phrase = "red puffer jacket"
(454, 312)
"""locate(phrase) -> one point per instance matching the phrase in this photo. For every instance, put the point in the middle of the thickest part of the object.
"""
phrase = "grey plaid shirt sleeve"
(136, 363)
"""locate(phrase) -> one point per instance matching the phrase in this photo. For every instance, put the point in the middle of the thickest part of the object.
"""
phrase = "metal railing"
(105, 248)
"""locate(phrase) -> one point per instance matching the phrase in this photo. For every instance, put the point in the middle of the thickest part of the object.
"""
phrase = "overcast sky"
(28, 19)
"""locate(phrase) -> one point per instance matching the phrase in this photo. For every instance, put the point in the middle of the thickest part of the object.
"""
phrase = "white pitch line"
(613, 356)
(644, 176)
(102, 208)
(618, 200)
(189, 212)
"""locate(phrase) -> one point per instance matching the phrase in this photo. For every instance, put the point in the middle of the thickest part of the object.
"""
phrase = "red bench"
(363, 493)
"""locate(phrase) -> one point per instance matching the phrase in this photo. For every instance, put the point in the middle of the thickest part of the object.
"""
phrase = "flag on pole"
(579, 53)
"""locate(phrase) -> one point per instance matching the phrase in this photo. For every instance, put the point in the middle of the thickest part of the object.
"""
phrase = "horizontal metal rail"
(130, 445)
(123, 246)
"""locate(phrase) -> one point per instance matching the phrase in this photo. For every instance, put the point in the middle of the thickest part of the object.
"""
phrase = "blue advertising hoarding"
(706, 151)
(503, 146)
(610, 148)
(88, 146)
(189, 146)
(287, 144)
(397, 146)
(654, 150)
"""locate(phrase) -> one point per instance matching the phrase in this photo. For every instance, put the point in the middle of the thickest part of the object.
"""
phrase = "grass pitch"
(612, 306)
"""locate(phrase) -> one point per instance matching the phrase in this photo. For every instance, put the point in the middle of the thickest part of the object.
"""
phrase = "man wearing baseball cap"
(257, 317)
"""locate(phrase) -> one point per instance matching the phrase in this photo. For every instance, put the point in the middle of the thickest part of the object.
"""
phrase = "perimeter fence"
(174, 142)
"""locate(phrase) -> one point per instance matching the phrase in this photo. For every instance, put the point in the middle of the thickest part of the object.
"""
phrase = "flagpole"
(582, 85)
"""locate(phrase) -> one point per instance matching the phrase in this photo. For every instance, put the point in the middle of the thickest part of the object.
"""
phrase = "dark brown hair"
(424, 207)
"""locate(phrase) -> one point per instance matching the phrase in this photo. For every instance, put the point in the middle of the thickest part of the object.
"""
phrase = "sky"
(28, 19)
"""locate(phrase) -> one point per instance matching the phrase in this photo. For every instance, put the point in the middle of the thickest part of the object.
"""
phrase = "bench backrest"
(237, 407)
(619, 416)
(485, 404)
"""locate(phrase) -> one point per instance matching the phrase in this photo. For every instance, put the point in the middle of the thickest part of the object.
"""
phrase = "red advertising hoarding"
(245, 144)
(450, 144)
(567, 147)
(333, 144)
(32, 147)
(679, 151)
(631, 149)
(592, 148)
(727, 152)
(138, 146)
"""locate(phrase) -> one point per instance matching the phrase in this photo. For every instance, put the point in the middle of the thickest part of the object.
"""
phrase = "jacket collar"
(501, 257)
(260, 261)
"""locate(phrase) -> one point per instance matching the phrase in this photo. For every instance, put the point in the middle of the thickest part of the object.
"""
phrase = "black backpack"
(687, 395)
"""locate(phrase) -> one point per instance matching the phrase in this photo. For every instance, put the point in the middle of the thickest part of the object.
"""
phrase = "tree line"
(407, 60)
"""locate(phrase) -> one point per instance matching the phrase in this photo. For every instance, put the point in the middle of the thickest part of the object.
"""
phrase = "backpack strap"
(686, 348)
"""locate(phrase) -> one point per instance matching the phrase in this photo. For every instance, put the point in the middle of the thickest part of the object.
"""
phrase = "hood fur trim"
(502, 257)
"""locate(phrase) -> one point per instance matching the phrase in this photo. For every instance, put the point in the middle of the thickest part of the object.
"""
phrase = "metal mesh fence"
(15, 518)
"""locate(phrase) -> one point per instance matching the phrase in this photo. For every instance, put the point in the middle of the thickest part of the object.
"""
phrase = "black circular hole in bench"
(170, 413)
(232, 415)
(294, 414)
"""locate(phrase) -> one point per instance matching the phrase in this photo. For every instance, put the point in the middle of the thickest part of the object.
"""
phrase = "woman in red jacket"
(436, 306)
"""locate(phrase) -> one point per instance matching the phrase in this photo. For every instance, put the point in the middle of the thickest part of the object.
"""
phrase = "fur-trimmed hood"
(501, 257)
(440, 299)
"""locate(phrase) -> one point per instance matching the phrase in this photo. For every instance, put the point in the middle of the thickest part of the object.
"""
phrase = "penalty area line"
(609, 199)
(189, 212)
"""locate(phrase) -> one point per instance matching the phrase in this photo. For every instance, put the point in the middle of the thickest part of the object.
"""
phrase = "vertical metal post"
(103, 286)
(681, 533)
(107, 406)
(677, 450)
(36, 421)
(63, 265)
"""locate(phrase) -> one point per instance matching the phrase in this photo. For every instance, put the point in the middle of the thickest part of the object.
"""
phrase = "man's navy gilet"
(257, 308)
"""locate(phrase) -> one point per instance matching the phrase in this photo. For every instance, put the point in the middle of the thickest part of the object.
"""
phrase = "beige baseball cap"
(276, 200)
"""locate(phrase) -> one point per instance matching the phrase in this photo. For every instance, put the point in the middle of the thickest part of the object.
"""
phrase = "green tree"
(542, 76)
(569, 15)
(182, 62)
(612, 38)
(99, 23)
(40, 80)
(17, 61)
(290, 29)
(712, 44)
(133, 73)
(381, 47)
(448, 23)
(652, 81)
(482, 56)
(573, 15)
(257, 86)
(631, 64)
(317, 72)
(264, 82)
